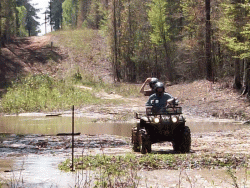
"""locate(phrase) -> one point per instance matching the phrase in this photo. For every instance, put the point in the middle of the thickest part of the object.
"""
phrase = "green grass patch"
(37, 93)
(79, 40)
(121, 164)
(110, 168)
(124, 89)
(42, 93)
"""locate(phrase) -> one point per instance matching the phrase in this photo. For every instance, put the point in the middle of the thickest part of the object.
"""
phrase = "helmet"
(153, 82)
(159, 88)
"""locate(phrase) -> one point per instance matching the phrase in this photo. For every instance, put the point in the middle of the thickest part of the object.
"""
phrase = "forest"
(177, 40)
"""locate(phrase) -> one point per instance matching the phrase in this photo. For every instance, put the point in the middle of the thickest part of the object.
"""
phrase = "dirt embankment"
(28, 55)
(218, 100)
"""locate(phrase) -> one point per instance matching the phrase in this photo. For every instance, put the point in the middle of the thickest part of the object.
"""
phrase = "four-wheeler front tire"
(135, 139)
(145, 143)
(182, 140)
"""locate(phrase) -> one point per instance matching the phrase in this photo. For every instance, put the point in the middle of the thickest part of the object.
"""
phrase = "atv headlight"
(156, 120)
(174, 119)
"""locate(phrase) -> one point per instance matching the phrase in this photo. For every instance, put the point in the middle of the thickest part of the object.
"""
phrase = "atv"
(161, 125)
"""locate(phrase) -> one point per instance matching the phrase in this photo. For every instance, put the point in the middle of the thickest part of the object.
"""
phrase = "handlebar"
(163, 111)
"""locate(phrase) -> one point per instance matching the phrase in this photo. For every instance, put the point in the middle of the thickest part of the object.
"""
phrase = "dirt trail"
(28, 55)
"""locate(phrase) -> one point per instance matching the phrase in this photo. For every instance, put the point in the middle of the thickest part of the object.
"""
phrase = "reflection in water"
(206, 126)
(47, 172)
(55, 125)
(37, 171)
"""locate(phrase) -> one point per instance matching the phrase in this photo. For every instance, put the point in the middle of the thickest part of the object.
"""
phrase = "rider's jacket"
(158, 101)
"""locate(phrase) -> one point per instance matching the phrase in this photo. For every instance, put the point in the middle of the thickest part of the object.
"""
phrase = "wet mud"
(25, 155)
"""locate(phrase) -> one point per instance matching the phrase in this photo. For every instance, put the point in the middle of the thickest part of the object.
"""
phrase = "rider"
(160, 97)
(151, 82)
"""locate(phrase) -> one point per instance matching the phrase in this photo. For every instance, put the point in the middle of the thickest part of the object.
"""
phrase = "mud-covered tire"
(135, 139)
(182, 140)
(145, 143)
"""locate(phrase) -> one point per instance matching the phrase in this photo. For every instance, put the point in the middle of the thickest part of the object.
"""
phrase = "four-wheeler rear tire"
(182, 140)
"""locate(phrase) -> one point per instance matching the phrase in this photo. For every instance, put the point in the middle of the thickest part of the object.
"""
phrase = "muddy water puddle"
(35, 170)
(55, 125)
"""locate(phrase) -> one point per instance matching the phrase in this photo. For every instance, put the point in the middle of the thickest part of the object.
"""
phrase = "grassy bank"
(124, 163)
(123, 170)
(37, 93)
(41, 93)
(85, 51)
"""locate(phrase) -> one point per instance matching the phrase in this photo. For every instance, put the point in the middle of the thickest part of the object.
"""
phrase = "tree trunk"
(245, 77)
(83, 10)
(50, 7)
(169, 70)
(248, 82)
(0, 28)
(115, 61)
(106, 4)
(245, 64)
(208, 42)
(237, 82)
(7, 23)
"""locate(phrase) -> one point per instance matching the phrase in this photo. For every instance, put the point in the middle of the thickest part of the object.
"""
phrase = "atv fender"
(144, 119)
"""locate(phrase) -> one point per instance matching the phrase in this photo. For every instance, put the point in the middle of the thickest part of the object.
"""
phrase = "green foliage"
(143, 28)
(43, 93)
(8, 18)
(97, 15)
(17, 16)
(112, 164)
(55, 15)
(234, 27)
(120, 165)
(31, 23)
(157, 19)
(191, 11)
(22, 12)
(69, 13)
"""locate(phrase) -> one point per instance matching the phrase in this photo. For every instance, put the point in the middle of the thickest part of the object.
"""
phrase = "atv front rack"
(152, 111)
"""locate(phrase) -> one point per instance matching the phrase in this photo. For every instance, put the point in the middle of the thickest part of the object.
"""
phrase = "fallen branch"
(53, 114)
(67, 134)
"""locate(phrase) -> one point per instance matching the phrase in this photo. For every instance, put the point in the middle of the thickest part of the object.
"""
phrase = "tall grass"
(40, 93)
(78, 40)
(44, 93)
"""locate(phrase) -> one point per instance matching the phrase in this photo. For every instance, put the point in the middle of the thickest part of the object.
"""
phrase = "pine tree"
(161, 30)
(69, 12)
(22, 12)
(234, 32)
(31, 25)
(55, 14)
